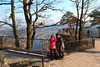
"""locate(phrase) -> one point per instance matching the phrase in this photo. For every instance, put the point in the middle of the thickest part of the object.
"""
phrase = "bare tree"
(16, 36)
(13, 24)
(38, 8)
(82, 7)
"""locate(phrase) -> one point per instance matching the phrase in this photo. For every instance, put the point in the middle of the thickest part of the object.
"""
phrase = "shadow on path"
(91, 52)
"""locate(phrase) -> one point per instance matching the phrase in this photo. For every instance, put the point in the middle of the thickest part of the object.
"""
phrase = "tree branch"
(6, 23)
(37, 26)
(41, 2)
(57, 24)
(2, 25)
(44, 7)
(72, 1)
(21, 1)
(5, 3)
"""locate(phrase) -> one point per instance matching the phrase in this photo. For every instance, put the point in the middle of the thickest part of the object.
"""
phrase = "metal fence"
(79, 45)
(38, 44)
(7, 42)
(41, 44)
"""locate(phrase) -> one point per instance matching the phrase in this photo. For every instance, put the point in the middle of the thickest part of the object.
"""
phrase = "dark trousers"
(61, 55)
(51, 52)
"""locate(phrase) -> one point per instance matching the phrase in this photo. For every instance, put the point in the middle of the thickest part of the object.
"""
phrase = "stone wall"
(3, 40)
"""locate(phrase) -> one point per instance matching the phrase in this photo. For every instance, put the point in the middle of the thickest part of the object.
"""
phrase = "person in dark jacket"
(88, 32)
(59, 46)
(52, 46)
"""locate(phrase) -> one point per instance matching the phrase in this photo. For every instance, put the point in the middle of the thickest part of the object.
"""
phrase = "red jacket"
(52, 41)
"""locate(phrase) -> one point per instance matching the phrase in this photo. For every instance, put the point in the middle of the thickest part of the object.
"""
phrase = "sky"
(66, 5)
(55, 15)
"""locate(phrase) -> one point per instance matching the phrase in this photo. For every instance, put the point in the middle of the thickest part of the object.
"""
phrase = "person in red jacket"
(52, 46)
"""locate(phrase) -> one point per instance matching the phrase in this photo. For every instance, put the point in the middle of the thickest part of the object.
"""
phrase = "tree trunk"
(33, 35)
(14, 24)
(28, 22)
(99, 33)
(77, 7)
(29, 45)
(80, 29)
(34, 29)
(76, 30)
(16, 37)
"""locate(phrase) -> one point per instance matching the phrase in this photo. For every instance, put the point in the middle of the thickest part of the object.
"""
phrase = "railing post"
(93, 41)
(91, 33)
(42, 61)
(2, 60)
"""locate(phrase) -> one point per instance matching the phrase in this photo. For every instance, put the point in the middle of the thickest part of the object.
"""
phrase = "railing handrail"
(31, 38)
(40, 39)
(63, 40)
(77, 40)
(27, 53)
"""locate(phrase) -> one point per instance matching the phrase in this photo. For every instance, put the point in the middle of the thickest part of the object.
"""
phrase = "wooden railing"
(1, 59)
(21, 52)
